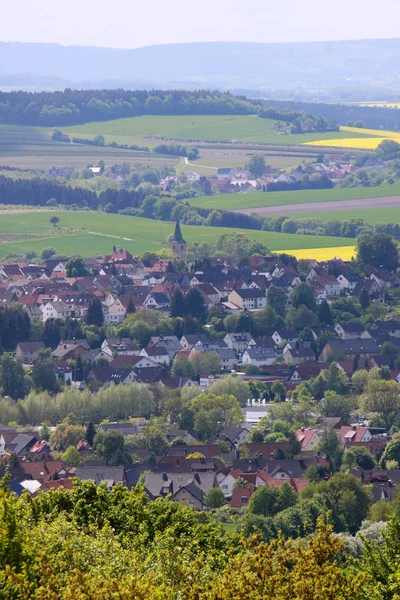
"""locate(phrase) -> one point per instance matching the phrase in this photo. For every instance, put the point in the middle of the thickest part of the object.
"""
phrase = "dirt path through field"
(291, 209)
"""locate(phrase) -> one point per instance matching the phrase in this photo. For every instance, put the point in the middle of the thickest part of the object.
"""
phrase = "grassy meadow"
(217, 128)
(87, 233)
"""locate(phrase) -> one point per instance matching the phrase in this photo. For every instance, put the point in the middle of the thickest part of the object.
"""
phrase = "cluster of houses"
(232, 180)
(189, 469)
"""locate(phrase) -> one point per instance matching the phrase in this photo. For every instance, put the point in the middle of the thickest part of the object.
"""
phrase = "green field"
(87, 233)
(217, 128)
(258, 199)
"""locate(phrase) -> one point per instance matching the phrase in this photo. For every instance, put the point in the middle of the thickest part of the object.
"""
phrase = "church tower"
(177, 243)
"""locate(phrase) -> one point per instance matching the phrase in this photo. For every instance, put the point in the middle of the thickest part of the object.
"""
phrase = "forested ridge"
(70, 107)
(373, 117)
(80, 106)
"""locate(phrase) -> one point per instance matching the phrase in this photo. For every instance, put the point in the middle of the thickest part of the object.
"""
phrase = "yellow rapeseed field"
(321, 254)
(365, 143)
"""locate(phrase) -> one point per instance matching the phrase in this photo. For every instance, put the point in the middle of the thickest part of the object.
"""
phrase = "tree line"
(41, 192)
(69, 106)
(300, 120)
(90, 543)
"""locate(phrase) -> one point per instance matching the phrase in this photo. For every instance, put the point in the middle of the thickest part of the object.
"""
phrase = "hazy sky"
(133, 23)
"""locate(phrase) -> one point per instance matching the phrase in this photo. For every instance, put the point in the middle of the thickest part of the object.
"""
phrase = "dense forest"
(80, 106)
(373, 117)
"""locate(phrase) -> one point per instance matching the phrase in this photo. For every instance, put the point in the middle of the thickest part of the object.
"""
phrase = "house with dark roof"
(359, 348)
(28, 351)
(259, 356)
(351, 331)
(284, 336)
(100, 474)
(295, 356)
(108, 376)
(124, 428)
(158, 354)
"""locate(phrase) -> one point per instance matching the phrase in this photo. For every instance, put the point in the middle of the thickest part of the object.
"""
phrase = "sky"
(133, 23)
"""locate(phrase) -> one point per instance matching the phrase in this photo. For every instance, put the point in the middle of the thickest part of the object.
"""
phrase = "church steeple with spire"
(177, 243)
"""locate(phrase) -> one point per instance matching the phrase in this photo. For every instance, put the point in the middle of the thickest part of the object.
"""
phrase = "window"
(244, 499)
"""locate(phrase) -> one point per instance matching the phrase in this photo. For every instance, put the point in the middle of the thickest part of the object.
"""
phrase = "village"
(268, 334)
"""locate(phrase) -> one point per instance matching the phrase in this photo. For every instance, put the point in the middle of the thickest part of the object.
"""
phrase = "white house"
(158, 354)
(56, 310)
(250, 299)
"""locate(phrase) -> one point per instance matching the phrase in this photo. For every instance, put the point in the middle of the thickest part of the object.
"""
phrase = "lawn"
(258, 199)
(216, 128)
(87, 233)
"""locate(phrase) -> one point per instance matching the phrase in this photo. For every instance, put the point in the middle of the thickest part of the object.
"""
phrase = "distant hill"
(232, 65)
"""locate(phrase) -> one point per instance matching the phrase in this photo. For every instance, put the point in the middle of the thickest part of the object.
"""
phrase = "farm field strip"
(321, 254)
(266, 199)
(373, 216)
(376, 136)
(88, 232)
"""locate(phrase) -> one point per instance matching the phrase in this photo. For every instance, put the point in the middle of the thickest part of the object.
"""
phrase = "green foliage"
(66, 435)
(214, 498)
(94, 314)
(12, 377)
(391, 452)
(382, 397)
(268, 501)
(303, 294)
(111, 447)
(329, 445)
(212, 413)
(379, 250)
(44, 373)
(276, 299)
(76, 267)
(333, 405)
(71, 457)
(256, 165)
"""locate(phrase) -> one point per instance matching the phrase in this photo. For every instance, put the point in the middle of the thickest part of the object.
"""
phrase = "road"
(291, 209)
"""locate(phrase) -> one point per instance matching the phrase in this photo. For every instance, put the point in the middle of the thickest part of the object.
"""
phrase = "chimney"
(302, 429)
